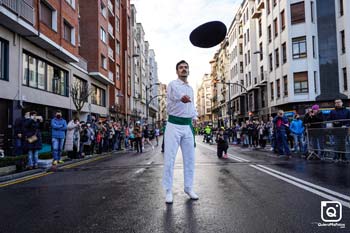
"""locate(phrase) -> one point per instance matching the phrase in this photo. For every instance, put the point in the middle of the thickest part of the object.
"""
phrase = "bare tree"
(80, 93)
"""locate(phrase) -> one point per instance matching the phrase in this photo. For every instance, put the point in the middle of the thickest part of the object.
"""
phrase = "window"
(245, 59)
(32, 68)
(275, 27)
(341, 7)
(285, 85)
(269, 33)
(118, 73)
(278, 88)
(260, 28)
(48, 15)
(103, 35)
(247, 35)
(68, 32)
(71, 2)
(103, 9)
(103, 62)
(297, 11)
(345, 79)
(284, 53)
(268, 6)
(250, 78)
(40, 74)
(262, 73)
(118, 47)
(272, 91)
(98, 96)
(283, 22)
(315, 81)
(240, 48)
(4, 60)
(342, 36)
(117, 24)
(261, 51)
(82, 87)
(301, 83)
(248, 56)
(277, 58)
(312, 12)
(299, 47)
(313, 47)
(270, 62)
(241, 67)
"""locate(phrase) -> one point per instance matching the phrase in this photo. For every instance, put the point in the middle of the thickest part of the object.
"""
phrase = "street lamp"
(147, 89)
(229, 96)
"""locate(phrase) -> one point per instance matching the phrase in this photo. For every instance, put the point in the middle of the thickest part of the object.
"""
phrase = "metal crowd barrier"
(328, 140)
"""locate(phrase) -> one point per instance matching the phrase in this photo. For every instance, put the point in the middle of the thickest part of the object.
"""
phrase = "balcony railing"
(110, 6)
(110, 53)
(110, 29)
(21, 8)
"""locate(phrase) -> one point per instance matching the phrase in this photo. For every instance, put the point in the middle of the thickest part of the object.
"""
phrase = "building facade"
(286, 54)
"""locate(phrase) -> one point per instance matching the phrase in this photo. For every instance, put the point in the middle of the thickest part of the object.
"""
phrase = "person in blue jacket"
(297, 129)
(59, 127)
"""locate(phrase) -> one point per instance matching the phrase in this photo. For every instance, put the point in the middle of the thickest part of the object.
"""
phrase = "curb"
(40, 170)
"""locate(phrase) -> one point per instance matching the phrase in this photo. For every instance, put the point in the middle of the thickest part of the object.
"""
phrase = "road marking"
(344, 203)
(36, 176)
(316, 189)
(307, 183)
(20, 180)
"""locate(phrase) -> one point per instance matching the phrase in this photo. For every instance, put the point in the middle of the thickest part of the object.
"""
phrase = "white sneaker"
(191, 194)
(169, 197)
(152, 147)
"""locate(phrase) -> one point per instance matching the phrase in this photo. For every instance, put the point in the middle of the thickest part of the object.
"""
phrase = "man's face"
(182, 70)
(338, 103)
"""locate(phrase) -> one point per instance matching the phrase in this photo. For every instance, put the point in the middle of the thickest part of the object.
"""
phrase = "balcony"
(261, 5)
(110, 30)
(110, 53)
(256, 14)
(110, 76)
(21, 8)
(18, 16)
(110, 7)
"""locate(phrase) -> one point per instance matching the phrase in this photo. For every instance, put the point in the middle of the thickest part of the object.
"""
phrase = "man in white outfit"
(180, 132)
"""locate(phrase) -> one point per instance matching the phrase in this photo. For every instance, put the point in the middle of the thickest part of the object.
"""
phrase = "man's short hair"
(181, 62)
(338, 99)
(58, 111)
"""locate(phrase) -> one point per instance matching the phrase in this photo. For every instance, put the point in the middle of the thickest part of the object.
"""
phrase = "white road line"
(140, 170)
(289, 179)
(307, 183)
(344, 203)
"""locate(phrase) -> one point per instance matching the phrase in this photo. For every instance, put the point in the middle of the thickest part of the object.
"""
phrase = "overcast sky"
(168, 24)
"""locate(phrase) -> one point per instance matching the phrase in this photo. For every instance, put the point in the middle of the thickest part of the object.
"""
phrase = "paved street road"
(250, 192)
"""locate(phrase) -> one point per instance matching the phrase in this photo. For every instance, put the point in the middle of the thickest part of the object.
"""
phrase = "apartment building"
(286, 54)
(204, 101)
(39, 61)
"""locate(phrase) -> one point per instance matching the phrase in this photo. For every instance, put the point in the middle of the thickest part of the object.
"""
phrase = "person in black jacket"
(222, 144)
(32, 139)
(314, 123)
(341, 121)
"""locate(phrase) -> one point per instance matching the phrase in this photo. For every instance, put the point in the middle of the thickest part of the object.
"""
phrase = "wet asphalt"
(123, 193)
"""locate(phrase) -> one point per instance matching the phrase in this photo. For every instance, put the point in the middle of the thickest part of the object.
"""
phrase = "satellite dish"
(208, 35)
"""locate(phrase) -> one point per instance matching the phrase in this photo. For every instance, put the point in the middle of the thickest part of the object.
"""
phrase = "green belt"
(183, 121)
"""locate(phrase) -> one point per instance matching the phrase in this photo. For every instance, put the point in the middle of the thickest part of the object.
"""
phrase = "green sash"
(183, 121)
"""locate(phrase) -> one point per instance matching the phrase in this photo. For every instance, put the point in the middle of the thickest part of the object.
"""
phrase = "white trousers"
(175, 136)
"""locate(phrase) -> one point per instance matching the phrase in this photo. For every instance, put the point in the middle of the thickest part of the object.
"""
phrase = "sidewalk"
(67, 161)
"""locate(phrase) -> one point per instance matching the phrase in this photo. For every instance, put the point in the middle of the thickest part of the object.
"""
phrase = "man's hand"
(19, 135)
(185, 99)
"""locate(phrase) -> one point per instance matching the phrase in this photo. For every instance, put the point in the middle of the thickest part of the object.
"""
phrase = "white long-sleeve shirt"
(175, 91)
